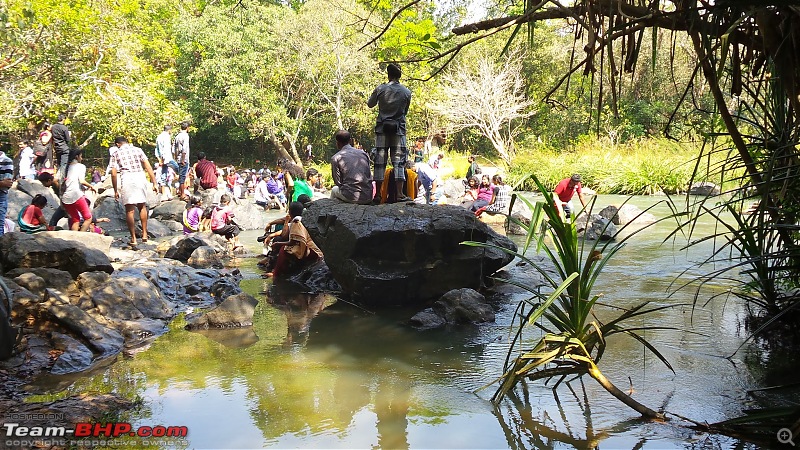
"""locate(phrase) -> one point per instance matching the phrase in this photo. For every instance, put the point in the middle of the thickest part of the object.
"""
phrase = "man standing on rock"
(131, 187)
(182, 157)
(351, 172)
(61, 139)
(166, 160)
(393, 100)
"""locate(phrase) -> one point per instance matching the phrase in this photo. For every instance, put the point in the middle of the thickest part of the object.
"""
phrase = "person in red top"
(564, 192)
(204, 173)
(30, 219)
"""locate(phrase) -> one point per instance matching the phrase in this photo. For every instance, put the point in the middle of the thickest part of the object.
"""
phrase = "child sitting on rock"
(193, 215)
(222, 222)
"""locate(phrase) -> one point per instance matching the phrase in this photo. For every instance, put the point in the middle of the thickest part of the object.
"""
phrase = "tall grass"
(634, 168)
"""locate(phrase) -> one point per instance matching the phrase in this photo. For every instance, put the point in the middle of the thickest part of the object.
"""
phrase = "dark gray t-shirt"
(351, 172)
(393, 100)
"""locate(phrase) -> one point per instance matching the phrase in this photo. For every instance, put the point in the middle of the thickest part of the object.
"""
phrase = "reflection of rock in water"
(231, 337)
(300, 308)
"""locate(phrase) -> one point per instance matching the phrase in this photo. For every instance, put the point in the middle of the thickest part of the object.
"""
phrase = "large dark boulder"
(46, 249)
(403, 253)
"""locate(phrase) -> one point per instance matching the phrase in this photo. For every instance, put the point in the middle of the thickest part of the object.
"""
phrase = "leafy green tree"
(106, 64)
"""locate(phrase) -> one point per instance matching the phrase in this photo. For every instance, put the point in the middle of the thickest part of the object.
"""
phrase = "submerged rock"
(235, 311)
(457, 307)
(403, 253)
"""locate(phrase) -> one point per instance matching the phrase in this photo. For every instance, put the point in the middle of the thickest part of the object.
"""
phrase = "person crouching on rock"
(299, 251)
(31, 219)
(222, 221)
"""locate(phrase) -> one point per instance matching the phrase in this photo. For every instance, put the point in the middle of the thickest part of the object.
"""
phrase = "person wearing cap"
(564, 192)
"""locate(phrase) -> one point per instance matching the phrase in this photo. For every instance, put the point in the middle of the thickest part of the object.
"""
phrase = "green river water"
(314, 372)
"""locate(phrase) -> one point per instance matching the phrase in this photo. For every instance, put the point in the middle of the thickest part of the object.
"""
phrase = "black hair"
(394, 72)
(296, 209)
(39, 200)
(195, 201)
(224, 198)
(342, 137)
(120, 140)
(304, 199)
(311, 172)
(201, 156)
(45, 177)
(74, 153)
(184, 125)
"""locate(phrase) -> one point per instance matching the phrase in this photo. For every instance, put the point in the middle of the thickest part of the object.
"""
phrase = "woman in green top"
(304, 186)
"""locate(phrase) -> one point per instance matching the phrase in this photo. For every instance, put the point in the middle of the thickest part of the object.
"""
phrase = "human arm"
(580, 196)
(114, 180)
(373, 99)
(39, 218)
(87, 185)
(6, 183)
(336, 171)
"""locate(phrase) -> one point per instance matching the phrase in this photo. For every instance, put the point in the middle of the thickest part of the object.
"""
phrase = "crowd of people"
(384, 175)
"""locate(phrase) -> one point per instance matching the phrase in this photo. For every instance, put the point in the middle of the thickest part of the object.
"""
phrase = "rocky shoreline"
(80, 301)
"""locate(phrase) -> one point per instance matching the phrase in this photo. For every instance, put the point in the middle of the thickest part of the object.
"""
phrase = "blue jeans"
(3, 208)
(165, 171)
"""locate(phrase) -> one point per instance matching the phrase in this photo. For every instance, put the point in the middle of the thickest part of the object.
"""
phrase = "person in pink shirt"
(222, 221)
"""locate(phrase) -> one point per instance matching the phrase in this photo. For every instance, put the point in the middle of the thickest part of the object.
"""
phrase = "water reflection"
(316, 372)
(233, 337)
(300, 308)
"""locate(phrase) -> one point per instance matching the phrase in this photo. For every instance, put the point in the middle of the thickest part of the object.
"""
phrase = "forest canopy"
(259, 80)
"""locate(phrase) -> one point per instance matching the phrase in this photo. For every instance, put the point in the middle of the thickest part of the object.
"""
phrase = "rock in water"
(235, 311)
(403, 253)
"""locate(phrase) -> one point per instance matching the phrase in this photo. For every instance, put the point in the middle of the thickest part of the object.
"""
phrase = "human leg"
(131, 222)
(59, 214)
(143, 218)
(182, 170)
(399, 154)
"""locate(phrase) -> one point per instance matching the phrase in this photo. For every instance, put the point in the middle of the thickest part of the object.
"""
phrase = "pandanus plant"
(574, 338)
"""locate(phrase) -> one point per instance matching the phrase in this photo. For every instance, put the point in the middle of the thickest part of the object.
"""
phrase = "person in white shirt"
(165, 160)
(27, 170)
(261, 195)
(73, 199)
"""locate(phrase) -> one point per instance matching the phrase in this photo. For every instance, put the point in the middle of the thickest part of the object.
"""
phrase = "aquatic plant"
(574, 338)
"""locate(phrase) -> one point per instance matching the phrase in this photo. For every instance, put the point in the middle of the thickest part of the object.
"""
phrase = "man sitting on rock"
(351, 172)
(299, 251)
